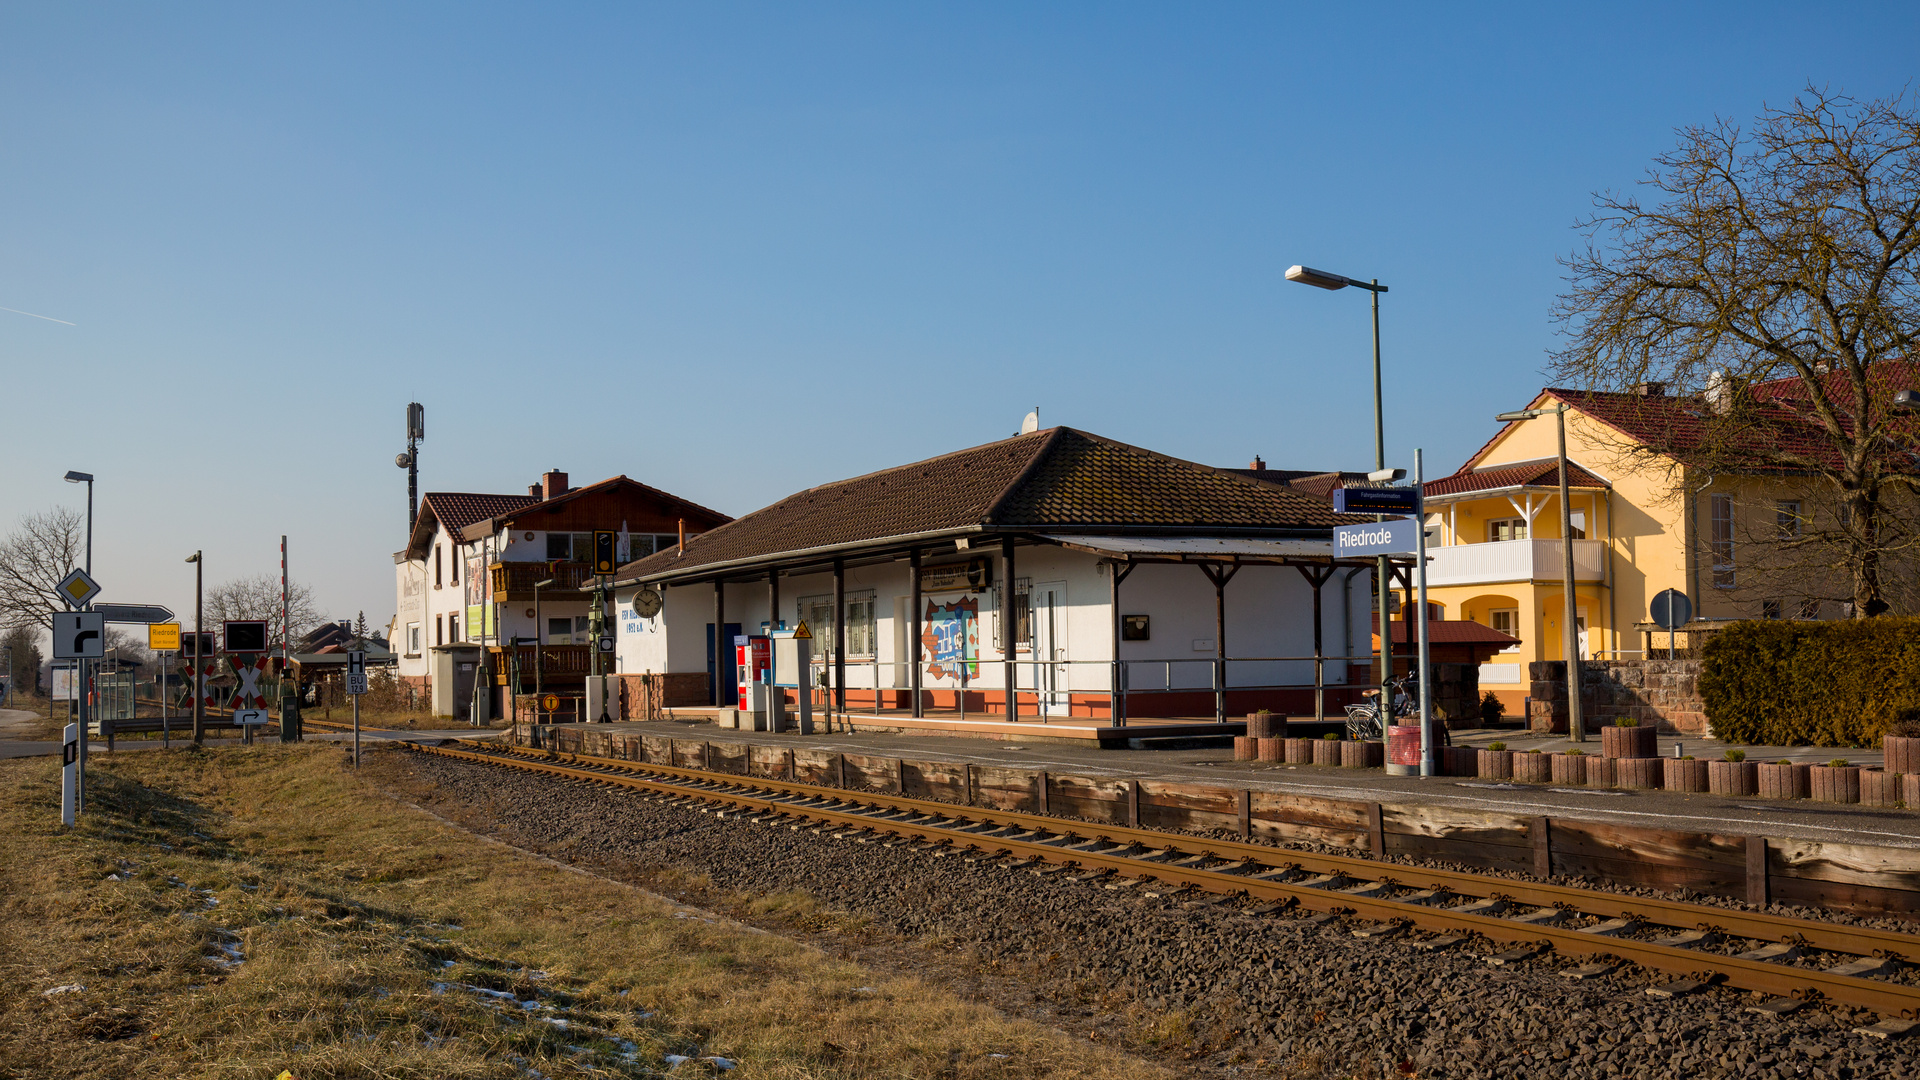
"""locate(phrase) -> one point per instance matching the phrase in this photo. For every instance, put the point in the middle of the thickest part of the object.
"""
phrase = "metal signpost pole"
(1420, 569)
(356, 686)
(1576, 722)
(193, 682)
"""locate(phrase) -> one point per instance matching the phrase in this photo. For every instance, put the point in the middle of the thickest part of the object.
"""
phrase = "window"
(439, 630)
(1769, 609)
(1720, 547)
(1577, 522)
(413, 639)
(1809, 609)
(818, 612)
(567, 630)
(436, 566)
(1786, 517)
(1022, 618)
(453, 629)
(640, 546)
(1507, 529)
(1505, 620)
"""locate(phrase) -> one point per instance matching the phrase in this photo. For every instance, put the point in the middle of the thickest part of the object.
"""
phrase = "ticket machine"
(753, 660)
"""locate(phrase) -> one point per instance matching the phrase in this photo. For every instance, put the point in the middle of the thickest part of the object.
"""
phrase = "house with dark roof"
(465, 603)
(1645, 515)
(1053, 584)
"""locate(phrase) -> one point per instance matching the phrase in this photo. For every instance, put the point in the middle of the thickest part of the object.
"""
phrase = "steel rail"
(1755, 925)
(946, 828)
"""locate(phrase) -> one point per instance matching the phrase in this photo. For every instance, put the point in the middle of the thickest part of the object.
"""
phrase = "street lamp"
(80, 667)
(199, 706)
(1321, 279)
(1576, 723)
(75, 477)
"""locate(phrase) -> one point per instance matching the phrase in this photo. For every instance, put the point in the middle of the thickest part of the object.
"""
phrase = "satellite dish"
(647, 602)
(1031, 422)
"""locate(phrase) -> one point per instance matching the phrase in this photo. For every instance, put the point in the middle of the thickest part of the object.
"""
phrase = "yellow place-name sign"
(162, 636)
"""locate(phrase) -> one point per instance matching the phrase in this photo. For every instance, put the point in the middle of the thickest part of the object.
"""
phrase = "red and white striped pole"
(286, 631)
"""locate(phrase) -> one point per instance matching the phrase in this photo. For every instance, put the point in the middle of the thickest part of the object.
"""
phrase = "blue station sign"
(1380, 538)
(1359, 500)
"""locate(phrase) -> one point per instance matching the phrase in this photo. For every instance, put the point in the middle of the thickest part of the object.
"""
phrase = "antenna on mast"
(410, 461)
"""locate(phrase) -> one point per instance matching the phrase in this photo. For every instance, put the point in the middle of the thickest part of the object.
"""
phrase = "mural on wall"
(950, 640)
(479, 612)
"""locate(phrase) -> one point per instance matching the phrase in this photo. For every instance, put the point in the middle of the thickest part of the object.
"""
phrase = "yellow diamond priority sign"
(78, 588)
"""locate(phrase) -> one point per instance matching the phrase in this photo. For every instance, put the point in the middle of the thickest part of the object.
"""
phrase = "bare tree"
(34, 558)
(23, 643)
(258, 597)
(1773, 272)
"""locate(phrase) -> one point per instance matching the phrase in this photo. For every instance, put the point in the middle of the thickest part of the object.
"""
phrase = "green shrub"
(1576, 753)
(1783, 761)
(1535, 750)
(1793, 683)
(1496, 746)
(1625, 721)
(1491, 709)
(1838, 763)
(1736, 755)
(1331, 737)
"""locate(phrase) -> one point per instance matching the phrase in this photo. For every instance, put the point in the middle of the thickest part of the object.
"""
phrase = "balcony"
(563, 663)
(515, 580)
(1513, 560)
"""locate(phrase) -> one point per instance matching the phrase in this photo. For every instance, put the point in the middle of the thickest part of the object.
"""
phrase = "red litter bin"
(1403, 745)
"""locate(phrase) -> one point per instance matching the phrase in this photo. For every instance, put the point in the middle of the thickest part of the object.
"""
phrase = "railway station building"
(466, 604)
(1108, 586)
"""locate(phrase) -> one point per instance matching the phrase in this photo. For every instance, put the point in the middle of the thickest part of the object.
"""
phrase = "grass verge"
(243, 912)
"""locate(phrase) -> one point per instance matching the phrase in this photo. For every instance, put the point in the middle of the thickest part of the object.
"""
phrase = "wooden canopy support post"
(1317, 576)
(840, 640)
(914, 603)
(1117, 572)
(776, 697)
(1008, 629)
(722, 663)
(1219, 577)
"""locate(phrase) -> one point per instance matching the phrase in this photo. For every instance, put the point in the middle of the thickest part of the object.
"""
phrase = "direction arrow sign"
(78, 587)
(135, 613)
(79, 635)
(1358, 500)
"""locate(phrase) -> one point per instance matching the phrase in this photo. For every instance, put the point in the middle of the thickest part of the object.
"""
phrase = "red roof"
(1450, 632)
(1526, 474)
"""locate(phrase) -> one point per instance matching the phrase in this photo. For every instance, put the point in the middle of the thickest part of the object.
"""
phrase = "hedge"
(1771, 683)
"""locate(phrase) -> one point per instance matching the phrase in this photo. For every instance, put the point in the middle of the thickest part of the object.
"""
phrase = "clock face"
(647, 602)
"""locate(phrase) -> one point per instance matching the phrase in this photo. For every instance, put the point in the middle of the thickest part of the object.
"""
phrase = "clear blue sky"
(738, 250)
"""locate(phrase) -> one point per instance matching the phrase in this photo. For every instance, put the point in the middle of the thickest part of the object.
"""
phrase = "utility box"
(290, 716)
(793, 667)
(613, 712)
(453, 669)
(753, 661)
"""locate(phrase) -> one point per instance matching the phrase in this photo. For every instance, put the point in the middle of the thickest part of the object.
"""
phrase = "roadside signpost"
(78, 587)
(1382, 500)
(135, 613)
(163, 636)
(80, 636)
(1671, 610)
(1377, 538)
(69, 772)
(356, 686)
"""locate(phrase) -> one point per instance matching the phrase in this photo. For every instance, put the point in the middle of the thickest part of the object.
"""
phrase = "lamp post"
(81, 667)
(1321, 279)
(193, 681)
(1576, 723)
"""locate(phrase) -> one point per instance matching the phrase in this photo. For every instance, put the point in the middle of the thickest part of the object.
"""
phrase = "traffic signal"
(605, 559)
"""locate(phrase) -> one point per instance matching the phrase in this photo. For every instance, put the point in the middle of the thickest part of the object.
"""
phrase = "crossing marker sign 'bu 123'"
(1381, 538)
(1360, 500)
(356, 672)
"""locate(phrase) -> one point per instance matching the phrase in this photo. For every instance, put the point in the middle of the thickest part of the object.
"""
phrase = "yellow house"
(1642, 523)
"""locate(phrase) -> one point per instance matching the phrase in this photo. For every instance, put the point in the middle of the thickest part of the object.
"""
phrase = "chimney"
(1256, 463)
(1650, 389)
(553, 484)
(533, 490)
(683, 536)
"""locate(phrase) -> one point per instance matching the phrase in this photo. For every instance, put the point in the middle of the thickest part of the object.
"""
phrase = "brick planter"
(1683, 774)
(1461, 760)
(1326, 751)
(1910, 790)
(1362, 755)
(1299, 751)
(1789, 781)
(1900, 755)
(1600, 772)
(1733, 777)
(1268, 726)
(1244, 748)
(1272, 750)
(1835, 785)
(1529, 768)
(1493, 764)
(1879, 787)
(1569, 769)
(1629, 742)
(1638, 773)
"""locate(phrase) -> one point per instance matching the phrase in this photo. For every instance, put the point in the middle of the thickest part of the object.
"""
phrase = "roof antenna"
(1030, 423)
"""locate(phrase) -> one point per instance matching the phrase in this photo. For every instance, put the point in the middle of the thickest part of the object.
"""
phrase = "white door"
(1049, 600)
(1580, 625)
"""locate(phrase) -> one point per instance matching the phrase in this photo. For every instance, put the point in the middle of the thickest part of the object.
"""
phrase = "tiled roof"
(1449, 632)
(1527, 474)
(1057, 479)
(455, 510)
(482, 527)
(1320, 485)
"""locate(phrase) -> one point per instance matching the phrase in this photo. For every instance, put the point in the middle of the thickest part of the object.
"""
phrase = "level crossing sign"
(248, 695)
(356, 672)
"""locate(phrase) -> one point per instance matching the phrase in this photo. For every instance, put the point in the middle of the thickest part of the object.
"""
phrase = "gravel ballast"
(1208, 986)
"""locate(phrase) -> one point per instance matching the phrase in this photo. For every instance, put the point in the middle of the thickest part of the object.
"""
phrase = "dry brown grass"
(369, 930)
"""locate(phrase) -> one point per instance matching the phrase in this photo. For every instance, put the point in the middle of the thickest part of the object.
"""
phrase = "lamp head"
(547, 584)
(1319, 279)
(195, 557)
(1520, 414)
(76, 477)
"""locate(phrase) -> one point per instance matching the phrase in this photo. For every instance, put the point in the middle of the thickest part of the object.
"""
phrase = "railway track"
(1797, 961)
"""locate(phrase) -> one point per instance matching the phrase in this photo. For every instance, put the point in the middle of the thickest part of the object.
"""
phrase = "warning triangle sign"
(801, 631)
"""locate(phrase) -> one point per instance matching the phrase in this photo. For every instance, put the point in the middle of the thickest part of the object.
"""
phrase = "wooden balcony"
(514, 580)
(563, 663)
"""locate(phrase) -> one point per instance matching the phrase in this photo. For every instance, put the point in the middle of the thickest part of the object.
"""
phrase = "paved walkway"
(1796, 819)
(13, 721)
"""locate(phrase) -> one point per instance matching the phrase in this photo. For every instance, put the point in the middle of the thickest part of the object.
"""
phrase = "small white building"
(1062, 563)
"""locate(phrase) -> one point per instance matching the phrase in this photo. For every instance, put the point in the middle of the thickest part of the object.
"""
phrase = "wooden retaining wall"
(1848, 877)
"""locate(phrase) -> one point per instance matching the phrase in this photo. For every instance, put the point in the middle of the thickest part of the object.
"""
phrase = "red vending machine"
(753, 659)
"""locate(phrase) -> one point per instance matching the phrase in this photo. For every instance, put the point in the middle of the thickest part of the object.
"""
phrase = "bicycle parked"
(1363, 721)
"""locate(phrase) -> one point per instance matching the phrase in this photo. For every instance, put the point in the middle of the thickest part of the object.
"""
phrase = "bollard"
(289, 717)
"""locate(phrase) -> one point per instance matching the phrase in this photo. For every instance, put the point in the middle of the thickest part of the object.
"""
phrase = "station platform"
(1085, 756)
(994, 725)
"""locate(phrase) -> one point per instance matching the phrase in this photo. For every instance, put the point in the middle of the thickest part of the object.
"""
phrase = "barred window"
(1720, 546)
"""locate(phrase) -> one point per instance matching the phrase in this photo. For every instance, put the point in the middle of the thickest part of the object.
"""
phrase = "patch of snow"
(70, 988)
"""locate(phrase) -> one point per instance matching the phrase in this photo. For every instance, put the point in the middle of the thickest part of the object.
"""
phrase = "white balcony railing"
(1512, 560)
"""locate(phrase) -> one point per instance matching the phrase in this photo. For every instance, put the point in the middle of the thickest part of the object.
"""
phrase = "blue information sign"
(1383, 538)
(1402, 500)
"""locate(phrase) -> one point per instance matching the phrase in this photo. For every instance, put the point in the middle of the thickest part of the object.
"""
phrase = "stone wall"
(645, 697)
(1664, 693)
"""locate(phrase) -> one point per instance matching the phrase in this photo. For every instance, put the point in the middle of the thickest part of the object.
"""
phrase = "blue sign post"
(1359, 500)
(1377, 538)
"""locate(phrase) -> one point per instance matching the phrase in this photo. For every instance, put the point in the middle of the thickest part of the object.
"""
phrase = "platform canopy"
(1230, 549)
